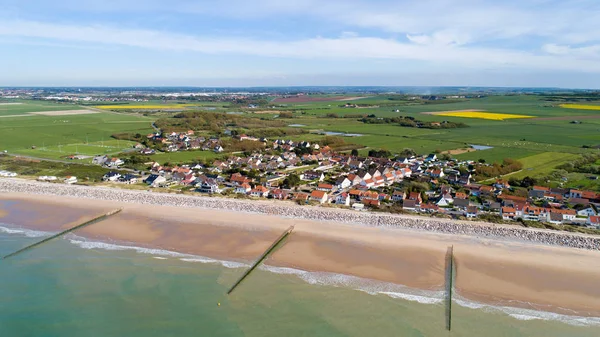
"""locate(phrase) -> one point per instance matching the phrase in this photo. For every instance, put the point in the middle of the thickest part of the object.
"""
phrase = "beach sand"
(555, 279)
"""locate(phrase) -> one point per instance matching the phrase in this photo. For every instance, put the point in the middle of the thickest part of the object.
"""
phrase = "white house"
(244, 188)
(260, 191)
(587, 212)
(111, 176)
(343, 182)
(319, 196)
(343, 199)
(114, 162)
(154, 180)
(593, 221)
(70, 180)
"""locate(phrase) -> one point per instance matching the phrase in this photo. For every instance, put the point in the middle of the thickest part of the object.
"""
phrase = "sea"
(75, 287)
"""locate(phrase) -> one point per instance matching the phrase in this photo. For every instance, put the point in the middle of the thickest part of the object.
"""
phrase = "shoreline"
(443, 226)
(496, 272)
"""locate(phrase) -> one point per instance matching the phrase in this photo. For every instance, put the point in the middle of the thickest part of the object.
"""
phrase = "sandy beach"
(556, 279)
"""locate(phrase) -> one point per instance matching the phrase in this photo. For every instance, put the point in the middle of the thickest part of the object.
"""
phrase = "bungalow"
(593, 221)
(279, 194)
(301, 197)
(154, 180)
(128, 179)
(343, 182)
(70, 180)
(429, 208)
(343, 199)
(370, 195)
(567, 214)
(319, 196)
(259, 191)
(325, 187)
(111, 176)
(371, 203)
(555, 218)
(243, 188)
(508, 213)
(461, 204)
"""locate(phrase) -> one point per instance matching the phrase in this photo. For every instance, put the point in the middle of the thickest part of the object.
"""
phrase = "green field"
(542, 164)
(22, 107)
(59, 136)
(185, 156)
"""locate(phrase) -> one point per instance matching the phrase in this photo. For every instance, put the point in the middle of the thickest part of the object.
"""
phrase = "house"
(429, 208)
(325, 187)
(343, 199)
(501, 184)
(312, 175)
(371, 202)
(358, 206)
(416, 196)
(538, 192)
(111, 176)
(356, 194)
(243, 188)
(114, 162)
(471, 212)
(209, 186)
(593, 221)
(508, 213)
(343, 182)
(398, 196)
(461, 204)
(436, 173)
(354, 179)
(70, 180)
(575, 194)
(128, 179)
(368, 183)
(319, 196)
(279, 194)
(486, 190)
(410, 205)
(431, 157)
(445, 200)
(587, 212)
(370, 195)
(301, 197)
(355, 164)
(555, 218)
(188, 179)
(154, 180)
(259, 191)
(218, 149)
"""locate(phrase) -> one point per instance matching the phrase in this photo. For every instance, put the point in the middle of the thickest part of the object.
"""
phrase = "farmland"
(542, 133)
(482, 115)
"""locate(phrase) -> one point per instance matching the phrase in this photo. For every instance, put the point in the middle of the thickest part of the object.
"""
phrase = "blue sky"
(300, 42)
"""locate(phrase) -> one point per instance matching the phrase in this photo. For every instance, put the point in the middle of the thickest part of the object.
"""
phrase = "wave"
(523, 314)
(23, 232)
(396, 291)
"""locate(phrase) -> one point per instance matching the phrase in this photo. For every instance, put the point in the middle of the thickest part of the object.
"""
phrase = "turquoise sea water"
(73, 287)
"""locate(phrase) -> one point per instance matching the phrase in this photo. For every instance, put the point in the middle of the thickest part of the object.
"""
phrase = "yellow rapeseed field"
(482, 115)
(140, 107)
(580, 106)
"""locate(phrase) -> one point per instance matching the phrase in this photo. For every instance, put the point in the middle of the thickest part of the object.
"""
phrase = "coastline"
(496, 272)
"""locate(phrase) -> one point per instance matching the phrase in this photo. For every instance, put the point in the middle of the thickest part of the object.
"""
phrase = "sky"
(525, 43)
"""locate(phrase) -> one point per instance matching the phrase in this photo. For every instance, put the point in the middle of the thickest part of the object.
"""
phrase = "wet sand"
(556, 279)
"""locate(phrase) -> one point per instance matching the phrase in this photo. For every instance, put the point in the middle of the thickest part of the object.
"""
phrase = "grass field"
(542, 164)
(185, 156)
(57, 136)
(22, 107)
(145, 106)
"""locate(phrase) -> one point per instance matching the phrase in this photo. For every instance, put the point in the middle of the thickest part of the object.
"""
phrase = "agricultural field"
(581, 106)
(24, 108)
(59, 136)
(481, 115)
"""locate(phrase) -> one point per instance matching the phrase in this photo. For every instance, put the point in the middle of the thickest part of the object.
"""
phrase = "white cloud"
(438, 49)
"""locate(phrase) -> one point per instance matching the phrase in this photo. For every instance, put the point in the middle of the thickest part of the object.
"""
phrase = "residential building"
(318, 196)
(259, 191)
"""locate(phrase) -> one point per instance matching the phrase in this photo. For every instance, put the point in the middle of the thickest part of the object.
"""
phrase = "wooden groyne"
(87, 223)
(449, 285)
(261, 258)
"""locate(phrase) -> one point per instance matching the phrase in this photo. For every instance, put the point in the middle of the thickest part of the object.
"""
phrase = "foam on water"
(23, 232)
(428, 297)
(528, 314)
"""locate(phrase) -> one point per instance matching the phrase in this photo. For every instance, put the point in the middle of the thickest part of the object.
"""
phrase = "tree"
(354, 152)
(292, 180)
(408, 153)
